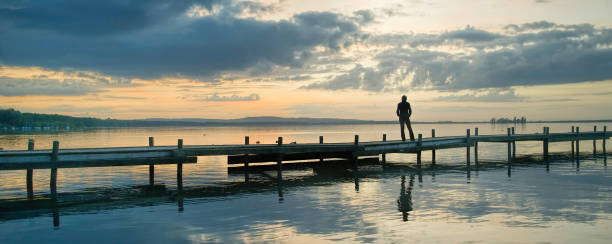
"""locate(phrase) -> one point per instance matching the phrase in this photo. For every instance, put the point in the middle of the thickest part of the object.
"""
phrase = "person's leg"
(401, 122)
(410, 129)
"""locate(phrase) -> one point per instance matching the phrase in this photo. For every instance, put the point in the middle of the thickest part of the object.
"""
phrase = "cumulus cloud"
(20, 81)
(488, 95)
(563, 54)
(219, 98)
(153, 39)
(52, 87)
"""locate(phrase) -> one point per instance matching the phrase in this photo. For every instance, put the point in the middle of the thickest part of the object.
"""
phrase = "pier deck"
(258, 153)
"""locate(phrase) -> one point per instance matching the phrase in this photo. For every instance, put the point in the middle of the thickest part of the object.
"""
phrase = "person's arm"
(409, 110)
(398, 110)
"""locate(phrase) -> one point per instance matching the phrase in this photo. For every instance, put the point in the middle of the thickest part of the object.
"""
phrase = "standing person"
(403, 112)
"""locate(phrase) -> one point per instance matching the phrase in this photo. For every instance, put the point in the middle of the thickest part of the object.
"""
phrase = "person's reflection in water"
(404, 203)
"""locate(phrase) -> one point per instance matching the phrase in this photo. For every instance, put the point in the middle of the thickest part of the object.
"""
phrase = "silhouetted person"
(403, 112)
(404, 203)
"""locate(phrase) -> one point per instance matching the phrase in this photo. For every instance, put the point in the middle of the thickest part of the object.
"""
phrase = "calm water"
(561, 202)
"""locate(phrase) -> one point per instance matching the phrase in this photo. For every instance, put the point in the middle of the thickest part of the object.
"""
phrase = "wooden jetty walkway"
(245, 154)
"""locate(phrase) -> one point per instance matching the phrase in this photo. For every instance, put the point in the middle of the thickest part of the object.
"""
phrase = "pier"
(249, 155)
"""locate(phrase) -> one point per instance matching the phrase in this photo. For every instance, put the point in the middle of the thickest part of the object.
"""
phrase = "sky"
(455, 60)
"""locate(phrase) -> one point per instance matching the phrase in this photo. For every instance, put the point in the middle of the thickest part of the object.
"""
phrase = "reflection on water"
(404, 203)
(534, 205)
(559, 200)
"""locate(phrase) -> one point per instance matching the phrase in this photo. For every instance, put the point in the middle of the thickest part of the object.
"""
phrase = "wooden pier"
(248, 154)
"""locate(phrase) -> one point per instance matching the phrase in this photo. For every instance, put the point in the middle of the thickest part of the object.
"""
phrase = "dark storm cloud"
(95, 17)
(564, 54)
(152, 39)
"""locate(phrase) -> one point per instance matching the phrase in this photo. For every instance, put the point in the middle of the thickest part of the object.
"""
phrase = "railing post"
(513, 146)
(467, 148)
(30, 173)
(573, 136)
(354, 158)
(246, 160)
(595, 140)
(179, 168)
(53, 178)
(419, 144)
(151, 166)
(509, 146)
(433, 150)
(476, 148)
(321, 142)
(279, 161)
(603, 143)
(577, 143)
(384, 156)
(545, 143)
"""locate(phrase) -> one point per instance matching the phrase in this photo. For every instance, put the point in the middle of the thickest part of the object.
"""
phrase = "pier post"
(476, 148)
(179, 168)
(467, 148)
(513, 146)
(30, 174)
(545, 143)
(279, 161)
(53, 178)
(433, 151)
(321, 142)
(595, 140)
(577, 143)
(509, 146)
(353, 156)
(151, 166)
(384, 156)
(572, 142)
(603, 144)
(419, 144)
(246, 161)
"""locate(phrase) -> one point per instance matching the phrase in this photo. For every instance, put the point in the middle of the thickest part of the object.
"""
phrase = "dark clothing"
(403, 112)
(403, 108)
(406, 120)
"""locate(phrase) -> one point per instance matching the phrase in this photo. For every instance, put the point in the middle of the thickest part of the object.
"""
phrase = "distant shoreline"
(13, 120)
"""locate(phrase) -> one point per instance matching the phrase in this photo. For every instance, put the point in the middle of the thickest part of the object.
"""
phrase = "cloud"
(52, 87)
(531, 26)
(155, 39)
(72, 109)
(489, 95)
(20, 81)
(217, 98)
(563, 54)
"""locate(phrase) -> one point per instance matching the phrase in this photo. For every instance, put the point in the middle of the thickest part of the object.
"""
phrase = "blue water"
(560, 202)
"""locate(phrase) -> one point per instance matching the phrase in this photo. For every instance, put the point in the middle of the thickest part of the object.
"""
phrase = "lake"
(532, 201)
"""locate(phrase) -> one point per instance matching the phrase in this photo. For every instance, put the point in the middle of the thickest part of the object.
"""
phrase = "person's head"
(404, 98)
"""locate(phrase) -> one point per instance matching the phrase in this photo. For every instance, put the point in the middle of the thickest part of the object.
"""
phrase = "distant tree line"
(13, 118)
(521, 120)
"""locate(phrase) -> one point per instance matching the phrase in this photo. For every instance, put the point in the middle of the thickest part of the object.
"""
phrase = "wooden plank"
(100, 163)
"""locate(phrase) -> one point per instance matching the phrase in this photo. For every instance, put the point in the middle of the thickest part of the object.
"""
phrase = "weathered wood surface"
(116, 156)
